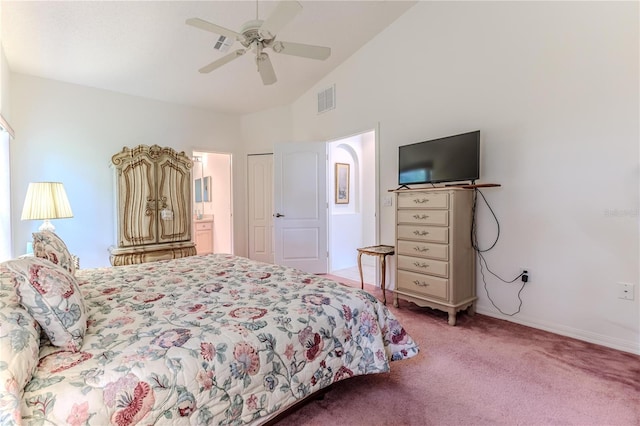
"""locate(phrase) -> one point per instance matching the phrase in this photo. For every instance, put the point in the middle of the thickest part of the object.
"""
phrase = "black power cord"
(474, 243)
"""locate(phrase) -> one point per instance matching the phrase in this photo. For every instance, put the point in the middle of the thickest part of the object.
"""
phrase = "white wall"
(219, 166)
(6, 241)
(260, 131)
(553, 87)
(68, 133)
(5, 90)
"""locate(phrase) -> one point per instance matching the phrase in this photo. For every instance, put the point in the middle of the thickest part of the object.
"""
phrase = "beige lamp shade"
(46, 200)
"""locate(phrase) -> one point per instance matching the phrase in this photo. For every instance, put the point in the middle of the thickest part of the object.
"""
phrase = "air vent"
(223, 43)
(327, 99)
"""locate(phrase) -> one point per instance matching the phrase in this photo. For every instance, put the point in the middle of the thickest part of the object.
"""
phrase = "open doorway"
(212, 202)
(352, 216)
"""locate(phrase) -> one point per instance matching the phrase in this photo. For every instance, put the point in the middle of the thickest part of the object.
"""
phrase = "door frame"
(231, 195)
(376, 131)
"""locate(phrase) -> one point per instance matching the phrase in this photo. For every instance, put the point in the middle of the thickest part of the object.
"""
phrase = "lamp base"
(47, 226)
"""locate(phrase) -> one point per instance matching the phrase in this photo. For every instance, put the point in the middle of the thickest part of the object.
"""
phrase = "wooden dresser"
(435, 258)
(153, 205)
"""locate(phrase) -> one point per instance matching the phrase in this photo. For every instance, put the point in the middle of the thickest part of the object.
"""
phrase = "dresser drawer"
(204, 226)
(426, 266)
(423, 284)
(423, 233)
(424, 217)
(416, 248)
(423, 200)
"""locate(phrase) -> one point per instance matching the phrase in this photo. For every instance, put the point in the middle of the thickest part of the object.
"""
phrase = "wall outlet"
(626, 291)
(387, 201)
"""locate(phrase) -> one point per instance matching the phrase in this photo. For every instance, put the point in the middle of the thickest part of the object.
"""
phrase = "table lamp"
(44, 201)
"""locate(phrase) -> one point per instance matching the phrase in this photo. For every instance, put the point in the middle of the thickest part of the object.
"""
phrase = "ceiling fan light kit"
(257, 35)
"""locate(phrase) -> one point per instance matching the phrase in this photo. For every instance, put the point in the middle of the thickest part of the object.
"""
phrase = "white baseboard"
(599, 339)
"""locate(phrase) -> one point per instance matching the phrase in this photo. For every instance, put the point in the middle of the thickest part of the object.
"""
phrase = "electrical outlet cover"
(626, 291)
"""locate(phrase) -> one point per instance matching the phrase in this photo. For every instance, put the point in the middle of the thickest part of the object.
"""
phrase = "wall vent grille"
(223, 43)
(327, 99)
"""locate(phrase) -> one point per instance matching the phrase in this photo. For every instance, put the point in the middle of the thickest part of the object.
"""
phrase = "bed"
(214, 339)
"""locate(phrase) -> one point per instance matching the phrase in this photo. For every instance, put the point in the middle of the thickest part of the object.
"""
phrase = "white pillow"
(52, 296)
(48, 245)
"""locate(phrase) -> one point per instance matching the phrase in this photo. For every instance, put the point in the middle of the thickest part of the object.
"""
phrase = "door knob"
(278, 215)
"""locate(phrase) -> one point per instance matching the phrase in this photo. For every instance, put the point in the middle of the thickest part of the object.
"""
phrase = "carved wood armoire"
(153, 205)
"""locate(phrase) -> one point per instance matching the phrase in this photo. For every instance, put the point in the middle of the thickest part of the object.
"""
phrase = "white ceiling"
(144, 48)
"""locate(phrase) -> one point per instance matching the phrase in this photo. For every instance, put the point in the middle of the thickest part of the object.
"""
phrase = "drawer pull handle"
(419, 217)
(421, 201)
(421, 283)
(420, 249)
(421, 233)
(421, 265)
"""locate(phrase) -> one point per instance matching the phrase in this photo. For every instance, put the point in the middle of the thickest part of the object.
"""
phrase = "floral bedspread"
(214, 339)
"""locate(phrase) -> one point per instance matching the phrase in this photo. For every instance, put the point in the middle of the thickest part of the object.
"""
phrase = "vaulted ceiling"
(144, 48)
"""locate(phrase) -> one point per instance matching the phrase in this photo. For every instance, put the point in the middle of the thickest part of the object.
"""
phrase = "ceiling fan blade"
(266, 69)
(216, 29)
(304, 50)
(220, 62)
(285, 11)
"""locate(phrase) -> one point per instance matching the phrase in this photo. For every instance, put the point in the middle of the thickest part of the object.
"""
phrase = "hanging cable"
(482, 261)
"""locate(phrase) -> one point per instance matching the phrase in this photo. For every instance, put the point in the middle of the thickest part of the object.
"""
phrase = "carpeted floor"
(484, 371)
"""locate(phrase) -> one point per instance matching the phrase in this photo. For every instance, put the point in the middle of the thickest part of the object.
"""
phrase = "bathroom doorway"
(212, 197)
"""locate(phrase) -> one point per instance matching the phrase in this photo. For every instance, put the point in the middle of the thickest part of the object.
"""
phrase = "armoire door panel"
(136, 196)
(174, 197)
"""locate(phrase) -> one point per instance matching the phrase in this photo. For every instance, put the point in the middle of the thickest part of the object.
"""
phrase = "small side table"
(381, 252)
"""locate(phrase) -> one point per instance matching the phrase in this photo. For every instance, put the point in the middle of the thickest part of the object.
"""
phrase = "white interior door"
(300, 206)
(260, 207)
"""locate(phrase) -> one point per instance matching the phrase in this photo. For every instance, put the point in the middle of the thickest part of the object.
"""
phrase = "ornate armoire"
(153, 205)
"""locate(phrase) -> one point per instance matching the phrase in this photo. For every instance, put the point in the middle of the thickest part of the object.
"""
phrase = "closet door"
(137, 202)
(174, 199)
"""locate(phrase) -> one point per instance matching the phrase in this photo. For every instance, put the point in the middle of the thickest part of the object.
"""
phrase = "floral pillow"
(19, 346)
(48, 245)
(51, 295)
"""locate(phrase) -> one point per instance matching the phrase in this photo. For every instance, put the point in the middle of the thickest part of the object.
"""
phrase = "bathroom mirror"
(206, 189)
(202, 189)
(198, 190)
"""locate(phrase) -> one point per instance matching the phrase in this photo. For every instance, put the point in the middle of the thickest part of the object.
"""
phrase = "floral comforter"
(214, 339)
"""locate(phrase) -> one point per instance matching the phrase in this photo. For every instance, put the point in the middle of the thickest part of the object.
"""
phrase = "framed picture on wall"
(342, 183)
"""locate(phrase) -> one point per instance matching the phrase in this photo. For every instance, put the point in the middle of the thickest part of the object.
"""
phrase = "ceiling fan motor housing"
(251, 32)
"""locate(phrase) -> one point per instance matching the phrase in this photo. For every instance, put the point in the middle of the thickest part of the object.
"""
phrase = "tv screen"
(451, 159)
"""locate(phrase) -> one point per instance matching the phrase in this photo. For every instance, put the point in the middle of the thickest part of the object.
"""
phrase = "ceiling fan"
(257, 35)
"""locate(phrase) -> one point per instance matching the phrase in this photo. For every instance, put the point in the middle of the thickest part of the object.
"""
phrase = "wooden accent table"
(381, 252)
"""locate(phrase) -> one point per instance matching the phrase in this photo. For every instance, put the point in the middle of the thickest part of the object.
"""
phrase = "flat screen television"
(450, 159)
